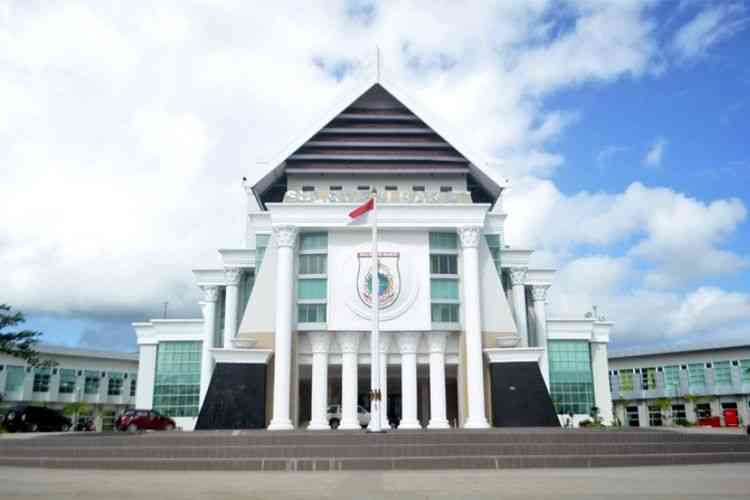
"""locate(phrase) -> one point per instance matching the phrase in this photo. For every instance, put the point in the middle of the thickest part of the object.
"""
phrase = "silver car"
(334, 416)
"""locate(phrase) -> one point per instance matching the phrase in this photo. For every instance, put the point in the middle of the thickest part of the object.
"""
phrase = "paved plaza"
(672, 482)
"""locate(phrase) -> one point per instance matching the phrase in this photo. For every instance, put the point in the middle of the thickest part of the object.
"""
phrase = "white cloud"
(606, 155)
(709, 27)
(655, 153)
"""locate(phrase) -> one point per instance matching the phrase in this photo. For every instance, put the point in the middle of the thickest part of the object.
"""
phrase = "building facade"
(652, 388)
(105, 381)
(465, 339)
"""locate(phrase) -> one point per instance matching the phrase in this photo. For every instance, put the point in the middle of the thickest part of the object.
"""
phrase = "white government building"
(465, 340)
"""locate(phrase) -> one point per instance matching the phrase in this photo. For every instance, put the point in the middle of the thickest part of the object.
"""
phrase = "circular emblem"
(386, 284)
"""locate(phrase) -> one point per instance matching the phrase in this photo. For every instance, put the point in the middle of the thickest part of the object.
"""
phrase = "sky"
(126, 127)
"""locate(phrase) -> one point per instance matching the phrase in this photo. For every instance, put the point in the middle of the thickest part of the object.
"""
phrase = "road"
(675, 482)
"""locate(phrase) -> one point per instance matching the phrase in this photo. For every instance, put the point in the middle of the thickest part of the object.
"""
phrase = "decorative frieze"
(436, 342)
(408, 342)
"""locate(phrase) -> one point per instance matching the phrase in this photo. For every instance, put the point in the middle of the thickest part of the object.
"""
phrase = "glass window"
(41, 379)
(67, 381)
(311, 289)
(417, 188)
(14, 378)
(311, 313)
(631, 414)
(133, 386)
(221, 311)
(114, 385)
(679, 414)
(91, 382)
(722, 373)
(313, 264)
(446, 189)
(654, 416)
(648, 378)
(493, 242)
(444, 289)
(443, 241)
(626, 380)
(571, 382)
(391, 188)
(313, 241)
(696, 375)
(703, 410)
(335, 188)
(177, 380)
(261, 243)
(306, 189)
(745, 370)
(444, 313)
(444, 264)
(363, 188)
(672, 377)
(246, 289)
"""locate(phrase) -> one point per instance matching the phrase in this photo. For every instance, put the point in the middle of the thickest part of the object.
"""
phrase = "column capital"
(539, 292)
(286, 235)
(408, 342)
(518, 275)
(469, 236)
(210, 293)
(385, 342)
(436, 342)
(348, 342)
(232, 275)
(320, 342)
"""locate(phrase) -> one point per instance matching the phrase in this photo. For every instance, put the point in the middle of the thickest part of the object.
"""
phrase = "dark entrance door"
(520, 397)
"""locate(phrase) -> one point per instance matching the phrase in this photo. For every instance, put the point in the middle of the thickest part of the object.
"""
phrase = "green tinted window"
(571, 381)
(311, 313)
(648, 378)
(443, 264)
(114, 384)
(91, 382)
(723, 373)
(313, 264)
(493, 242)
(696, 375)
(444, 289)
(443, 241)
(178, 377)
(41, 379)
(311, 289)
(246, 289)
(672, 377)
(626, 380)
(745, 370)
(14, 378)
(313, 241)
(67, 381)
(444, 313)
(261, 243)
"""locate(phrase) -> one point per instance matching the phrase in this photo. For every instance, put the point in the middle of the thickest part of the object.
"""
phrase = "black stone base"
(236, 398)
(520, 397)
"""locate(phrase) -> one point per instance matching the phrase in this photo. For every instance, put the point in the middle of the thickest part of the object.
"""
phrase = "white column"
(349, 343)
(385, 342)
(517, 279)
(600, 372)
(320, 342)
(231, 307)
(408, 342)
(286, 237)
(144, 390)
(477, 418)
(436, 342)
(210, 294)
(539, 293)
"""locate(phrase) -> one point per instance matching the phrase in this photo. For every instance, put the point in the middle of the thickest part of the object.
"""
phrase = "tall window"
(312, 278)
(91, 382)
(648, 378)
(493, 242)
(178, 377)
(246, 289)
(41, 379)
(67, 381)
(133, 385)
(14, 378)
(626, 380)
(672, 377)
(722, 373)
(221, 301)
(114, 385)
(444, 294)
(261, 242)
(696, 376)
(745, 371)
(571, 381)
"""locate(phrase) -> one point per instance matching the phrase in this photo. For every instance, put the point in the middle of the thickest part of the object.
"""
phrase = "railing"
(356, 196)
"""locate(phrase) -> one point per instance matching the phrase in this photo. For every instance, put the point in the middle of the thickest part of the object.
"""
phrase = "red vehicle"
(137, 420)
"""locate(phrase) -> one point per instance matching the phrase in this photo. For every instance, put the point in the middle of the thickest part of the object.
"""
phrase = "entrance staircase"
(353, 450)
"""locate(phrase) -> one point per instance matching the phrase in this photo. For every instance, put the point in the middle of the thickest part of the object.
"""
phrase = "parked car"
(137, 420)
(334, 416)
(36, 418)
(86, 424)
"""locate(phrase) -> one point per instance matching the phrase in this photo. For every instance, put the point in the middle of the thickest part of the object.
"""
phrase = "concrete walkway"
(675, 482)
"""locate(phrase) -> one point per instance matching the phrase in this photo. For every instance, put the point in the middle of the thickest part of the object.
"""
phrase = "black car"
(36, 418)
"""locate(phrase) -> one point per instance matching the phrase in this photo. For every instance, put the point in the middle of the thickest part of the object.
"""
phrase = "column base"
(319, 426)
(414, 424)
(438, 424)
(281, 426)
(476, 424)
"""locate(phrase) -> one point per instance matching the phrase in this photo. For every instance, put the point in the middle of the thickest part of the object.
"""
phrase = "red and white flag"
(363, 209)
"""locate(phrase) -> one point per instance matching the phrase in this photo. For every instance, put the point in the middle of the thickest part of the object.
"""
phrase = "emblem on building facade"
(389, 277)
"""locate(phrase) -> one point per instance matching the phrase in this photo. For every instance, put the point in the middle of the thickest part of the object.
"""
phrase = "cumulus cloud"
(655, 153)
(125, 133)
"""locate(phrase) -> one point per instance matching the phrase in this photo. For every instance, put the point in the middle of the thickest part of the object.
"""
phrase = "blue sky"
(622, 127)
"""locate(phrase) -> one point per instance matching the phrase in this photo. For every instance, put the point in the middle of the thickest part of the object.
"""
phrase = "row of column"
(408, 344)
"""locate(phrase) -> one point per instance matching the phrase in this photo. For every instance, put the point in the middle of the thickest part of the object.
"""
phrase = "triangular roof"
(366, 100)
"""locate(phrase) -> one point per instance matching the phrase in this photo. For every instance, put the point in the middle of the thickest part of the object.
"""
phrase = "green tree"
(75, 410)
(17, 343)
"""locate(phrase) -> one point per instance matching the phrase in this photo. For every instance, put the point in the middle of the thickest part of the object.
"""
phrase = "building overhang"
(168, 330)
(540, 277)
(240, 257)
(209, 277)
(242, 356)
(515, 257)
(514, 354)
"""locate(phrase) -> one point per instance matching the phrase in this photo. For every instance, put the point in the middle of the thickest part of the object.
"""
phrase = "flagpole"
(375, 393)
